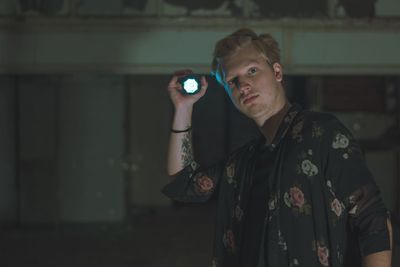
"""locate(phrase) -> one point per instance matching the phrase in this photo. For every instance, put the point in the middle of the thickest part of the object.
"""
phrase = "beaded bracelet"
(181, 131)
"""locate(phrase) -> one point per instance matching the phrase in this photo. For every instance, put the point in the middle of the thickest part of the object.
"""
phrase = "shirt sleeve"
(193, 183)
(354, 185)
(368, 218)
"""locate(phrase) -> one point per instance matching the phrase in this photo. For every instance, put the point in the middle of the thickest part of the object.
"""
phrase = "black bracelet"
(181, 131)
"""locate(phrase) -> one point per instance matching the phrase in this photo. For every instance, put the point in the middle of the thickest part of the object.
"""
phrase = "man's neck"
(271, 126)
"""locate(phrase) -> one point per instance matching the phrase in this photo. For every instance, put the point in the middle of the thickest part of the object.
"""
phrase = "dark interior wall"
(37, 142)
(8, 152)
(147, 123)
(90, 147)
(62, 148)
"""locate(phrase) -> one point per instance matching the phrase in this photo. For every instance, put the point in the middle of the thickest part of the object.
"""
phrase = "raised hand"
(175, 90)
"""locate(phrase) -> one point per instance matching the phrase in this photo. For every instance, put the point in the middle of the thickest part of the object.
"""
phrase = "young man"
(301, 194)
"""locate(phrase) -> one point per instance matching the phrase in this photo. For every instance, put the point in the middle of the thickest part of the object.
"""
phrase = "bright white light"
(190, 86)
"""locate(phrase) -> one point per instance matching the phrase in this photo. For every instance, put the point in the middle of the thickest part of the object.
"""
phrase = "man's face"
(252, 84)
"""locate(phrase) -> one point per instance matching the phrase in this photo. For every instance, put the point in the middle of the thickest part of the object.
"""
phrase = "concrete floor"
(176, 237)
(169, 238)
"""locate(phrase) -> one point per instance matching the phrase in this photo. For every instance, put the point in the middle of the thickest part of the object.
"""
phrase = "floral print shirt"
(323, 207)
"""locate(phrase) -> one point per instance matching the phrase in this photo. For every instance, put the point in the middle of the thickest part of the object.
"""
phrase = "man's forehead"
(233, 64)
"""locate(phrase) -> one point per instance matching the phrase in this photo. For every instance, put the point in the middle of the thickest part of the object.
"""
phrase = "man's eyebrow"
(246, 64)
(253, 61)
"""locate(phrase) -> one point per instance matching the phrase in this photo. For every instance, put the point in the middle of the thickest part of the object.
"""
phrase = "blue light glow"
(190, 85)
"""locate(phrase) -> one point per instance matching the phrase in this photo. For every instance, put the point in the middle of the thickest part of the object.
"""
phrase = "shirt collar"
(284, 126)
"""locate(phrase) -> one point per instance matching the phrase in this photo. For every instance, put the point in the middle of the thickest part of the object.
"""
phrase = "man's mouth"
(248, 99)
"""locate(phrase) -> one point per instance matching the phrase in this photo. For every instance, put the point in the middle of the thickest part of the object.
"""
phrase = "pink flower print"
(296, 197)
(205, 184)
(336, 207)
(229, 240)
(323, 255)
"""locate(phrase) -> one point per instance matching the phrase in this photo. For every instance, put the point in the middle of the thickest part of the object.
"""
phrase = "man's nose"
(243, 85)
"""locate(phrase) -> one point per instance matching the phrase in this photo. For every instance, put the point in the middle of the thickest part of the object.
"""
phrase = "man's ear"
(277, 72)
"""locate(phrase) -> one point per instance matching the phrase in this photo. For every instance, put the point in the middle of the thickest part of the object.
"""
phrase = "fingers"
(173, 82)
(204, 85)
(181, 73)
(178, 74)
(174, 86)
(204, 82)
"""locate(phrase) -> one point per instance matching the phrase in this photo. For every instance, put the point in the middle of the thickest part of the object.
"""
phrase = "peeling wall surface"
(235, 8)
(306, 50)
(158, 36)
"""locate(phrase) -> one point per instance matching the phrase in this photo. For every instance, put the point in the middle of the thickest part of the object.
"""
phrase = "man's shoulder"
(318, 117)
(320, 126)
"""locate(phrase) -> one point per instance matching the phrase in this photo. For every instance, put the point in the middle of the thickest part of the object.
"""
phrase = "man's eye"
(232, 83)
(252, 71)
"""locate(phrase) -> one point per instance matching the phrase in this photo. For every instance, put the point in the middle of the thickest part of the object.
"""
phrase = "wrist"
(182, 118)
(183, 108)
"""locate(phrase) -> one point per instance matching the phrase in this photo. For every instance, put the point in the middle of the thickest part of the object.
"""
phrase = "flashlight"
(191, 84)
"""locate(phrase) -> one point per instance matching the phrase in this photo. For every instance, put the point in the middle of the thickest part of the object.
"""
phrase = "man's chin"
(251, 111)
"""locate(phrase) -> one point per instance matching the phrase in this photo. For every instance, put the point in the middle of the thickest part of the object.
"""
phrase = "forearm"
(180, 150)
(382, 258)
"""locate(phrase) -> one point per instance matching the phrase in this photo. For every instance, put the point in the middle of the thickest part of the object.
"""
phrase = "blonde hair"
(228, 46)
